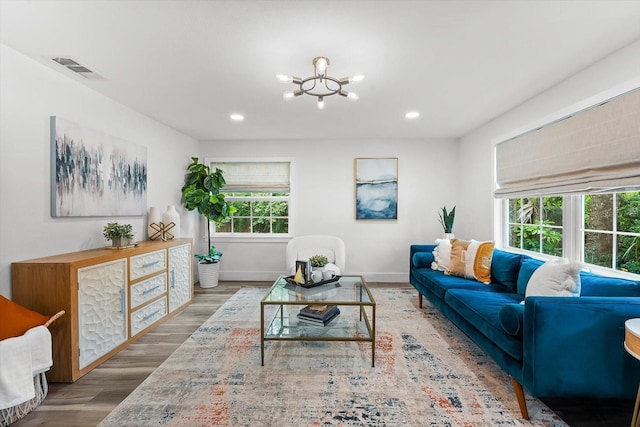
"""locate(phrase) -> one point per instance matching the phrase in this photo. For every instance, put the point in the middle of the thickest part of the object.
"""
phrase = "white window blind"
(256, 177)
(595, 150)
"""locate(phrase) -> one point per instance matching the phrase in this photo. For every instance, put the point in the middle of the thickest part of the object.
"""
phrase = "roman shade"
(255, 177)
(595, 150)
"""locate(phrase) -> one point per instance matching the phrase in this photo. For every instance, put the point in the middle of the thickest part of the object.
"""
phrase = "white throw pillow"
(442, 255)
(553, 279)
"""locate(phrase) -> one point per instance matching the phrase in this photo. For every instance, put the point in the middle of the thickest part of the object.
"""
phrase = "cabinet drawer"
(147, 316)
(152, 262)
(148, 289)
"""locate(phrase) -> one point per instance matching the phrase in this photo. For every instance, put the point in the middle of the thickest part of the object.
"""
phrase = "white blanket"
(21, 358)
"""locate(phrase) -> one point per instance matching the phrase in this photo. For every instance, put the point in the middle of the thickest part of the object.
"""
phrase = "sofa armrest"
(414, 249)
(573, 346)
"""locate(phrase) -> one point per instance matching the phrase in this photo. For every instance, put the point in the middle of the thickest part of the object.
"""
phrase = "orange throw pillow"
(15, 320)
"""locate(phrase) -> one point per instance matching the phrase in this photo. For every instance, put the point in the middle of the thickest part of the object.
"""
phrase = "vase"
(171, 215)
(153, 218)
(449, 236)
(208, 274)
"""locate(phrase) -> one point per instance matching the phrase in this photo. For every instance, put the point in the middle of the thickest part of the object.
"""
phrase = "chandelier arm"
(320, 84)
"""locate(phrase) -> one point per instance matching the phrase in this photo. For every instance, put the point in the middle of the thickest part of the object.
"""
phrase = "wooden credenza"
(111, 297)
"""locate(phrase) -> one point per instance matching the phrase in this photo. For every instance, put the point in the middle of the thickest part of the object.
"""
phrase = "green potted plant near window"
(446, 220)
(121, 235)
(201, 192)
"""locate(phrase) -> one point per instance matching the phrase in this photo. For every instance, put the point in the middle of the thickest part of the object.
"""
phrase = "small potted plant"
(318, 261)
(119, 234)
(446, 220)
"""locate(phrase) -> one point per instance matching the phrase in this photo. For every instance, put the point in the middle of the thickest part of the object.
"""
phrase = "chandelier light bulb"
(320, 103)
(284, 78)
(352, 96)
(321, 65)
(288, 95)
(356, 78)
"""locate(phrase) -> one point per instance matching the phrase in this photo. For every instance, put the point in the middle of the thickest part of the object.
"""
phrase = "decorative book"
(318, 314)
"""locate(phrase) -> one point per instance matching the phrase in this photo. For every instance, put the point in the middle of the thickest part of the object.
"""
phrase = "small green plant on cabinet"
(212, 257)
(446, 219)
(318, 261)
(119, 234)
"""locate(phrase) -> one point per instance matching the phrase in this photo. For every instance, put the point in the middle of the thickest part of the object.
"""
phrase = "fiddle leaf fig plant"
(201, 192)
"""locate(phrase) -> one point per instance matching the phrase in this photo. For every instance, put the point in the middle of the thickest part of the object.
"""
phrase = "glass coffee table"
(356, 321)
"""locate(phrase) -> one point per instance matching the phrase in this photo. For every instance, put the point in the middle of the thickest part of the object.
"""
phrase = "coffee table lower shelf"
(348, 326)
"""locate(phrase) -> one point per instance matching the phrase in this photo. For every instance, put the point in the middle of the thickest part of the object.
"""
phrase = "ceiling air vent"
(77, 68)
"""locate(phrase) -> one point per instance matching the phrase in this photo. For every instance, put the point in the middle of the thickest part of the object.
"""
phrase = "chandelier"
(320, 84)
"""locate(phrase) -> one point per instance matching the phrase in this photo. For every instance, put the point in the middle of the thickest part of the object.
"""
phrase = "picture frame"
(376, 188)
(95, 174)
(305, 268)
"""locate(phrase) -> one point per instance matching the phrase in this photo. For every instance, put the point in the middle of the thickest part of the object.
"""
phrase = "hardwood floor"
(87, 401)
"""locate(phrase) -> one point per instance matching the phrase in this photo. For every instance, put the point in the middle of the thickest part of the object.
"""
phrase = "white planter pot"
(208, 274)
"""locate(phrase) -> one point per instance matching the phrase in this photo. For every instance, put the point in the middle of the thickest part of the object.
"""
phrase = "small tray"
(290, 280)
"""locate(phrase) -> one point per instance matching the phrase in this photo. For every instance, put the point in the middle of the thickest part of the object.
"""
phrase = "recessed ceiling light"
(236, 117)
(412, 115)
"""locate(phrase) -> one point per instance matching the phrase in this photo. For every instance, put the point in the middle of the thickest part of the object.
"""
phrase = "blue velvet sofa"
(553, 346)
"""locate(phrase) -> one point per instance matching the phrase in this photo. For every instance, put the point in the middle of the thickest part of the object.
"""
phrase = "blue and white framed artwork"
(376, 188)
(95, 174)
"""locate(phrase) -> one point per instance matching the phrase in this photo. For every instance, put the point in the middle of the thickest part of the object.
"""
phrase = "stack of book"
(318, 314)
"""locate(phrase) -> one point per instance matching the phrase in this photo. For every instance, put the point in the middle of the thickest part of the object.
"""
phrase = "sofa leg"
(420, 299)
(522, 402)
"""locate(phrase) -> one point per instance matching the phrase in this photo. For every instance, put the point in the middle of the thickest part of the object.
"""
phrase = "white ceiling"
(190, 63)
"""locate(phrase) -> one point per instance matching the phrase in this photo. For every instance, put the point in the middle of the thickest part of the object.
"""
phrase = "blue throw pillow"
(504, 268)
(512, 319)
(597, 285)
(422, 259)
(528, 266)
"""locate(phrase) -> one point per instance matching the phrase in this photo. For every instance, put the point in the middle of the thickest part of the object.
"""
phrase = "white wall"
(30, 94)
(324, 203)
(615, 74)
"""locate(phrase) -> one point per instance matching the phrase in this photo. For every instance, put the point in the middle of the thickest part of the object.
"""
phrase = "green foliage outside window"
(258, 213)
(526, 229)
(601, 213)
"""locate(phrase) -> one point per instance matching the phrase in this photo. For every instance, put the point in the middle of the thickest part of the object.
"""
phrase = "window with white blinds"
(254, 177)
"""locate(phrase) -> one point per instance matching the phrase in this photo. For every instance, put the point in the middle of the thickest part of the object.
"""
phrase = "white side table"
(632, 345)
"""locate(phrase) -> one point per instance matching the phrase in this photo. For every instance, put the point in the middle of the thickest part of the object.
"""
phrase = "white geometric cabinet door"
(102, 312)
(179, 276)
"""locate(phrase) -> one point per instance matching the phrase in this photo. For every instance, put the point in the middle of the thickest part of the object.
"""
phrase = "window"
(571, 186)
(608, 226)
(258, 213)
(612, 230)
(535, 224)
(261, 193)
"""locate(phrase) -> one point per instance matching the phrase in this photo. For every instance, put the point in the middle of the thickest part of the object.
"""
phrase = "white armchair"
(303, 247)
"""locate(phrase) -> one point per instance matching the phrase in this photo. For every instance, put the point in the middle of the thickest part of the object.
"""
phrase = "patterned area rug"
(427, 373)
